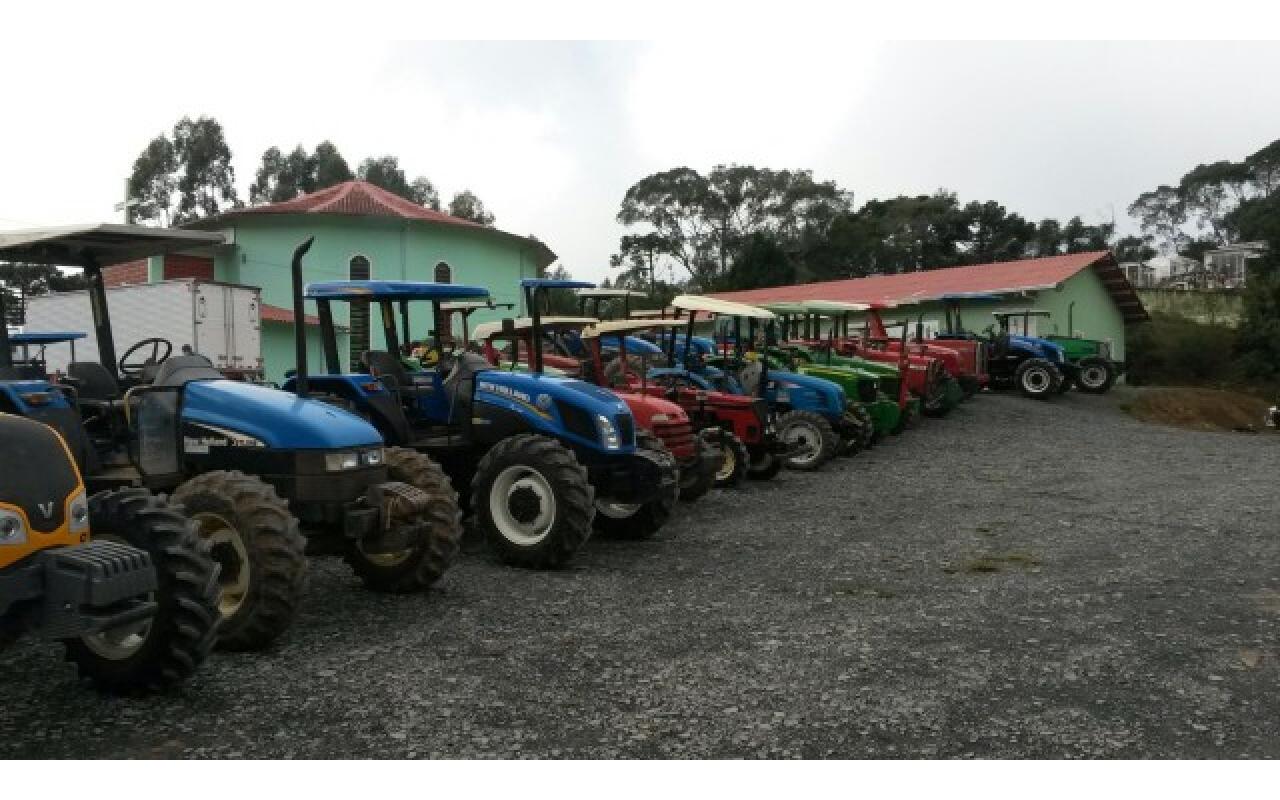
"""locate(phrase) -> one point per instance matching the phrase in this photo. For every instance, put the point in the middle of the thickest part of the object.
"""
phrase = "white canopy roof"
(833, 306)
(609, 293)
(465, 305)
(711, 305)
(623, 325)
(486, 330)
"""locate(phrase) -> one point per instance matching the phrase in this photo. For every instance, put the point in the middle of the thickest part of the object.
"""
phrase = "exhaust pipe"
(300, 318)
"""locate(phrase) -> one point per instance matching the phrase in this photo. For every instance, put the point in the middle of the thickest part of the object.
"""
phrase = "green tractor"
(1095, 371)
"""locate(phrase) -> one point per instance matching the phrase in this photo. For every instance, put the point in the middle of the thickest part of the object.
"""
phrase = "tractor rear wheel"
(1037, 378)
(439, 530)
(765, 466)
(533, 501)
(639, 520)
(1095, 375)
(256, 540)
(734, 459)
(698, 479)
(934, 404)
(814, 440)
(166, 649)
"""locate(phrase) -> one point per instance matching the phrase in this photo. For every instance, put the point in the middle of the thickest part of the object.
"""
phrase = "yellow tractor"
(121, 578)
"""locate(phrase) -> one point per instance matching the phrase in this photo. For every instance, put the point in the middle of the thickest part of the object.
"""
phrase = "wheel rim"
(228, 549)
(522, 505)
(118, 644)
(728, 464)
(1093, 376)
(1036, 380)
(807, 437)
(617, 510)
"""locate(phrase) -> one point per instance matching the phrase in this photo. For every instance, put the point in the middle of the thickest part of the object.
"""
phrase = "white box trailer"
(218, 320)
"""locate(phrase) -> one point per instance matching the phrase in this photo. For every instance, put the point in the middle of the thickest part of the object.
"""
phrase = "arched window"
(359, 323)
(444, 273)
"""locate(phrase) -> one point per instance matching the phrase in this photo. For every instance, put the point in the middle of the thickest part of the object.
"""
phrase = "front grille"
(677, 436)
(577, 421)
(868, 391)
(626, 429)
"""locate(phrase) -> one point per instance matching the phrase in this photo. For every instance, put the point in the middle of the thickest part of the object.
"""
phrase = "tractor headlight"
(12, 528)
(337, 462)
(608, 433)
(372, 458)
(78, 513)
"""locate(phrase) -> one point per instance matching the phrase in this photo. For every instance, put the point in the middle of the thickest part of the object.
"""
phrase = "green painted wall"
(396, 249)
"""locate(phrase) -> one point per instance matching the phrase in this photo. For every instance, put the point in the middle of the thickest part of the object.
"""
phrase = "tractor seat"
(459, 384)
(94, 382)
(394, 376)
(749, 377)
(181, 370)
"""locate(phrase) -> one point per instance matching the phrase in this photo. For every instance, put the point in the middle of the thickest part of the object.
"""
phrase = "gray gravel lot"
(1020, 580)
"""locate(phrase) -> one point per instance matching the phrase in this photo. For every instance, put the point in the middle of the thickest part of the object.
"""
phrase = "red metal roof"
(357, 198)
(914, 287)
(272, 313)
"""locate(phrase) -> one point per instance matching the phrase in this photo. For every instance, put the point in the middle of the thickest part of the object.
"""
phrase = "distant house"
(1085, 294)
(1228, 267)
(361, 232)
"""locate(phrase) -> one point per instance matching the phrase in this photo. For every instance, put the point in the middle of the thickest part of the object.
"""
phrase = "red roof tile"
(272, 313)
(357, 198)
(1005, 276)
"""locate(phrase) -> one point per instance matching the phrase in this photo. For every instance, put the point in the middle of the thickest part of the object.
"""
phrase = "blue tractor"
(266, 475)
(540, 454)
(814, 414)
(1036, 367)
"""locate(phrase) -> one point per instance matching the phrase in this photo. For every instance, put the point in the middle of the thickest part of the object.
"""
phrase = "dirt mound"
(1199, 409)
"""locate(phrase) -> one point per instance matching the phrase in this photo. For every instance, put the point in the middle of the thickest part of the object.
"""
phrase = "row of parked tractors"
(151, 508)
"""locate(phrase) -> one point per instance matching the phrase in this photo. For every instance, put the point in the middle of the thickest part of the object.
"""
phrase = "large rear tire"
(698, 479)
(812, 434)
(166, 649)
(533, 501)
(439, 531)
(639, 520)
(1037, 378)
(256, 540)
(1095, 375)
(734, 460)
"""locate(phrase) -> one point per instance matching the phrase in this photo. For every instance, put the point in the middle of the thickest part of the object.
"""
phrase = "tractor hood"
(1041, 348)
(560, 407)
(278, 419)
(808, 393)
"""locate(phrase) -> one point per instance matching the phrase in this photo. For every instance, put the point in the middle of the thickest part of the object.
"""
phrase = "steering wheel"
(134, 369)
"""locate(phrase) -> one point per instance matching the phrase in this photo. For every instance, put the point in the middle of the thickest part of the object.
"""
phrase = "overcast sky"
(551, 135)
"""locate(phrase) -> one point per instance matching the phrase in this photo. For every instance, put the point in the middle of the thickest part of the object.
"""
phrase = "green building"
(361, 232)
(1086, 294)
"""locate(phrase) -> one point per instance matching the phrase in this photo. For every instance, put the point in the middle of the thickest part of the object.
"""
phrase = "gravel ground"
(1020, 580)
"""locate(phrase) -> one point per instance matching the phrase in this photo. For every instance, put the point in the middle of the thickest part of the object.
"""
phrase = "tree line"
(188, 174)
(743, 227)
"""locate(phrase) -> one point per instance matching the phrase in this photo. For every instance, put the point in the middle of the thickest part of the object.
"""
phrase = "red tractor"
(965, 360)
(740, 427)
(658, 416)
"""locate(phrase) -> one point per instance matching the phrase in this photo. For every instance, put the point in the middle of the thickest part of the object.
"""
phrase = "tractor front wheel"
(166, 649)
(734, 459)
(698, 479)
(256, 541)
(812, 439)
(533, 501)
(1095, 375)
(439, 530)
(1037, 378)
(639, 520)
(765, 466)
